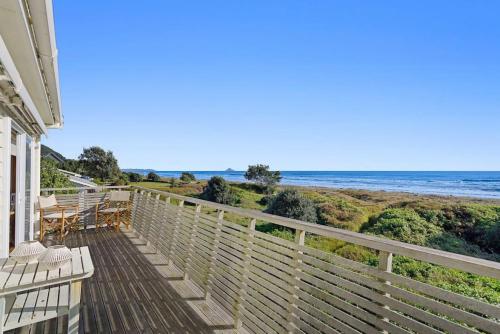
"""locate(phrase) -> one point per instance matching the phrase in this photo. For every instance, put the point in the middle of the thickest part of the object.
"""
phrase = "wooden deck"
(134, 290)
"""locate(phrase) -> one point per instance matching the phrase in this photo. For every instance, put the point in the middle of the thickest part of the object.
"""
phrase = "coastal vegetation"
(218, 190)
(153, 177)
(264, 179)
(187, 177)
(99, 164)
(94, 162)
(460, 225)
(50, 177)
(292, 204)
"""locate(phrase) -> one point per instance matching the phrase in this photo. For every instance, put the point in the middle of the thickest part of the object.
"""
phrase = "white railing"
(269, 284)
(85, 197)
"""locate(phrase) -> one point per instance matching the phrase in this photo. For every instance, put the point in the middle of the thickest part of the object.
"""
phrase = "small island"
(230, 170)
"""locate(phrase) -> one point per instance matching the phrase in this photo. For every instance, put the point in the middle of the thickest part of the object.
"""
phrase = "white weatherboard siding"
(29, 105)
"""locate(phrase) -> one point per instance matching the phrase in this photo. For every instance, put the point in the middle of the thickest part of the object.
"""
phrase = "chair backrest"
(47, 202)
(119, 196)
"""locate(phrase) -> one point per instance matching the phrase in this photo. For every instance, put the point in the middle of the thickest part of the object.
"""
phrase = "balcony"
(189, 265)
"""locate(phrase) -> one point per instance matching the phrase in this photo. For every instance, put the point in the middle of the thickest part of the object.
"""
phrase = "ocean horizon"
(480, 184)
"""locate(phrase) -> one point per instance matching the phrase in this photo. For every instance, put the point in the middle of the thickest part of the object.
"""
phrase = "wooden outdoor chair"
(114, 211)
(55, 217)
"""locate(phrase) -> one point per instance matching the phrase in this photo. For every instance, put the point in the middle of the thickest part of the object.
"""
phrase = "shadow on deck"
(134, 290)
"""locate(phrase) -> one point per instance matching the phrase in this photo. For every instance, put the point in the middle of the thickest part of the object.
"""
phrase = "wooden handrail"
(82, 188)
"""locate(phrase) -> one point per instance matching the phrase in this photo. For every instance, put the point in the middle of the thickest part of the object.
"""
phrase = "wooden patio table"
(29, 293)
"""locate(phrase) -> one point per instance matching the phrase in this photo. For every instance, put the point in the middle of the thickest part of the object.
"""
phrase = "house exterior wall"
(29, 104)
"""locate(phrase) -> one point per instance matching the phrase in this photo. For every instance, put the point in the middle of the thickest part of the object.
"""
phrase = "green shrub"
(292, 204)
(153, 177)
(218, 190)
(357, 253)
(479, 224)
(340, 213)
(480, 287)
(134, 177)
(187, 177)
(403, 225)
(50, 177)
(121, 181)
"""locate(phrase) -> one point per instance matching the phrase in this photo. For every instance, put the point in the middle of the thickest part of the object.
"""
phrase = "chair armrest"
(68, 206)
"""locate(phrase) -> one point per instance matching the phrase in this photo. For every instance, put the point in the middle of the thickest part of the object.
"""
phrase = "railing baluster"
(168, 228)
(140, 213)
(192, 241)
(82, 209)
(300, 236)
(215, 247)
(246, 272)
(385, 264)
(155, 221)
(147, 218)
(175, 235)
(133, 214)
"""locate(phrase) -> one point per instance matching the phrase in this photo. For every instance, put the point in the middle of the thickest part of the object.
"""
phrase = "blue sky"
(299, 85)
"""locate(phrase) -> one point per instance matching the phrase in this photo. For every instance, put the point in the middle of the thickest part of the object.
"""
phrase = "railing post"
(191, 240)
(300, 237)
(385, 264)
(246, 272)
(215, 247)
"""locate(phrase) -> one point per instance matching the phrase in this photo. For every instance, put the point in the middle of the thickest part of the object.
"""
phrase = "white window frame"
(21, 185)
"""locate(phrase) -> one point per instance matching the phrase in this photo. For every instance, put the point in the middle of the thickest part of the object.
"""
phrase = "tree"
(134, 177)
(292, 204)
(153, 177)
(98, 163)
(50, 177)
(72, 165)
(218, 190)
(263, 177)
(187, 177)
(122, 180)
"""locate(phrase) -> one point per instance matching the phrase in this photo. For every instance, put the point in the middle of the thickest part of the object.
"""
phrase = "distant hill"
(138, 170)
(47, 152)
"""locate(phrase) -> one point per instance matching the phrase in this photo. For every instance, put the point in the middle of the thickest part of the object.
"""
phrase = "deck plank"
(129, 293)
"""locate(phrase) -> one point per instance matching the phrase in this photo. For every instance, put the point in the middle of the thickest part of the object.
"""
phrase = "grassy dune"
(462, 225)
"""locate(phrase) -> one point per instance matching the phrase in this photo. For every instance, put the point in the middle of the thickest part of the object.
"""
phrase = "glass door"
(29, 207)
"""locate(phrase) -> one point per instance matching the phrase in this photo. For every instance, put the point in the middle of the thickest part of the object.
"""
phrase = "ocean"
(471, 184)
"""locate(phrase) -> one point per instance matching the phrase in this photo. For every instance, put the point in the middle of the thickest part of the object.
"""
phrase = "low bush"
(134, 177)
(187, 177)
(153, 177)
(219, 191)
(403, 225)
(292, 204)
